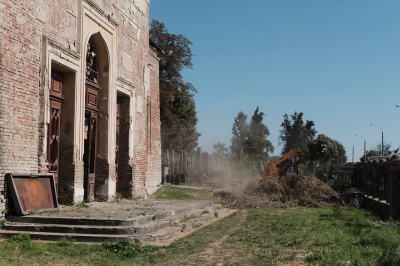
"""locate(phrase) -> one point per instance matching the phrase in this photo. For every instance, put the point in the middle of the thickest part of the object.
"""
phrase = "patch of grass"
(298, 236)
(171, 193)
(127, 249)
(64, 242)
(20, 238)
(181, 193)
(188, 218)
(22, 241)
(117, 198)
(82, 205)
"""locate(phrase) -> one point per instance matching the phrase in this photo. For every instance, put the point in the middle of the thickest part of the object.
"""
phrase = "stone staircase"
(162, 224)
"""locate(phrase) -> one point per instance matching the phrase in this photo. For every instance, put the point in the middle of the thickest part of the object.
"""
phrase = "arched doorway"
(96, 109)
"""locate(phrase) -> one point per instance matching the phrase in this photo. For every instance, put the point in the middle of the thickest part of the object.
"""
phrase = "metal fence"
(179, 167)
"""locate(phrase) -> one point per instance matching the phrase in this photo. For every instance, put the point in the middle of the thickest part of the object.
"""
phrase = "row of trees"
(251, 139)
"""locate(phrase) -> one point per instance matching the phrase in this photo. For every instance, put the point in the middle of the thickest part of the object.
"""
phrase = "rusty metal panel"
(32, 192)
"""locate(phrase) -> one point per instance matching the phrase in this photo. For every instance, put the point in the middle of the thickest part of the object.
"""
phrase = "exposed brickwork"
(24, 92)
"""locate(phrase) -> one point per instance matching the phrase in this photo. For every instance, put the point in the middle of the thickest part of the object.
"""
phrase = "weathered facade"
(80, 97)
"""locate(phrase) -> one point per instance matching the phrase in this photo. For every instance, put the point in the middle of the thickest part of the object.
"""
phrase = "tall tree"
(177, 106)
(296, 133)
(257, 143)
(240, 134)
(250, 139)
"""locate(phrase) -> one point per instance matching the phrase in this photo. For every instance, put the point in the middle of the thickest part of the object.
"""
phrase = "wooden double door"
(90, 141)
(54, 126)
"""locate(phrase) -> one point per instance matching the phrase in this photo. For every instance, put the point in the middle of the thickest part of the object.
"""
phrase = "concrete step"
(85, 229)
(82, 221)
(148, 228)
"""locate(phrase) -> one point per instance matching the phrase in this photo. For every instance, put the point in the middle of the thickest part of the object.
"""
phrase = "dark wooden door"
(53, 137)
(117, 142)
(53, 152)
(89, 157)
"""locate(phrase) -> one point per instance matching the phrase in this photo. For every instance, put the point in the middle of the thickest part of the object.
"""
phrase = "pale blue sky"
(336, 61)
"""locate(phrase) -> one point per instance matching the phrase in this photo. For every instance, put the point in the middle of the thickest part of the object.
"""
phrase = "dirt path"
(215, 253)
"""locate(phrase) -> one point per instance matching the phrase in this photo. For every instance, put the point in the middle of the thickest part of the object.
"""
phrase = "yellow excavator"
(280, 166)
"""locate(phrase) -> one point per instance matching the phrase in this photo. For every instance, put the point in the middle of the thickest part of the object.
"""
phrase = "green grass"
(179, 193)
(306, 236)
(82, 205)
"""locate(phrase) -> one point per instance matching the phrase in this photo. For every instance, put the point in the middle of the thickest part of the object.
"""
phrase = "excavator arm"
(274, 168)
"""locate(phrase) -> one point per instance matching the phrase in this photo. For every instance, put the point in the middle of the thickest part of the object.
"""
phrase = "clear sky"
(337, 61)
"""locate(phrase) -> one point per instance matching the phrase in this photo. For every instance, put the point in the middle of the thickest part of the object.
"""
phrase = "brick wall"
(24, 24)
(19, 80)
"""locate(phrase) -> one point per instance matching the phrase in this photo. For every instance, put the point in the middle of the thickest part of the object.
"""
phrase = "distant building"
(80, 97)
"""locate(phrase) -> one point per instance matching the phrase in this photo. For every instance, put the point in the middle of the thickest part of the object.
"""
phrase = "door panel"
(117, 140)
(89, 156)
(53, 150)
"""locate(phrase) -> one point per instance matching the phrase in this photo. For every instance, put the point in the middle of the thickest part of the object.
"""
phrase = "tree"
(295, 133)
(240, 134)
(250, 139)
(257, 143)
(220, 150)
(342, 157)
(376, 151)
(177, 106)
(327, 150)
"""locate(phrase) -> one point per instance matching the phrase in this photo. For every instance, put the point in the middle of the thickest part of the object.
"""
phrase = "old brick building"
(80, 97)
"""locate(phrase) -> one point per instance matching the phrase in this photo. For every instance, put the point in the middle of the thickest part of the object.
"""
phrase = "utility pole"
(365, 148)
(382, 137)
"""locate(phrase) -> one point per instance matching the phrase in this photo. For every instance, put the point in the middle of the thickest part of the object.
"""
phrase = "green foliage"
(342, 157)
(64, 242)
(295, 133)
(177, 106)
(327, 150)
(21, 240)
(240, 134)
(171, 193)
(82, 204)
(128, 249)
(250, 139)
(257, 143)
(220, 150)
